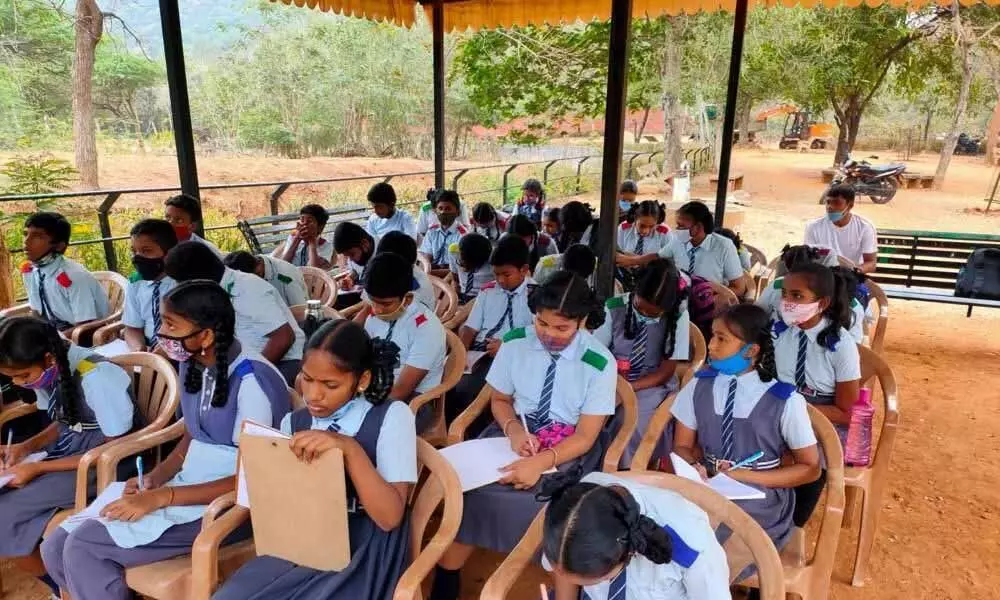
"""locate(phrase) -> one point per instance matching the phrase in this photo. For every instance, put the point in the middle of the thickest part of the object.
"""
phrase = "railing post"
(276, 196)
(545, 173)
(579, 171)
(652, 155)
(630, 174)
(105, 223)
(459, 175)
(503, 192)
(388, 179)
(6, 277)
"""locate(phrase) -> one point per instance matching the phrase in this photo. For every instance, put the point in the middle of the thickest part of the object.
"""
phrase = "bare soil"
(940, 521)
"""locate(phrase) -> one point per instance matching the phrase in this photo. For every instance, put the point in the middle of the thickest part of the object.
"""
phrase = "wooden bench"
(735, 181)
(264, 234)
(924, 265)
(916, 180)
(829, 174)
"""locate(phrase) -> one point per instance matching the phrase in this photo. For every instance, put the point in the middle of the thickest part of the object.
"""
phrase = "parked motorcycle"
(878, 182)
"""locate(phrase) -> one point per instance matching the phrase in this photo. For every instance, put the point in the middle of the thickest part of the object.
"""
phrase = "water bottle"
(859, 434)
(314, 317)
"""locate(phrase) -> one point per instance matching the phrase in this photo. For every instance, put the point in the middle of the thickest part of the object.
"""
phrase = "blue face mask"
(732, 365)
(835, 216)
(624, 205)
(642, 319)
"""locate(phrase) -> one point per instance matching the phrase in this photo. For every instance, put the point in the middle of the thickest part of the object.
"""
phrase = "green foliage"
(37, 174)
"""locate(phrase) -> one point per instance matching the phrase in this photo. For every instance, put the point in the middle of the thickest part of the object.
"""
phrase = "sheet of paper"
(721, 483)
(112, 349)
(27, 460)
(471, 358)
(255, 429)
(111, 493)
(478, 462)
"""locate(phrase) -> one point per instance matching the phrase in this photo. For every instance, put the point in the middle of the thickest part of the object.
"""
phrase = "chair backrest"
(425, 264)
(461, 316)
(299, 312)
(114, 285)
(846, 262)
(440, 487)
(626, 399)
(757, 257)
(295, 399)
(447, 299)
(874, 367)
(155, 387)
(746, 534)
(321, 285)
(876, 336)
(698, 353)
(724, 297)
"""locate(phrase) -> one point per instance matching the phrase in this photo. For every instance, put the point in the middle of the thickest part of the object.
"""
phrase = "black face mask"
(148, 268)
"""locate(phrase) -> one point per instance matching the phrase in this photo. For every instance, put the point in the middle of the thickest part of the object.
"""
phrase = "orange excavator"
(799, 128)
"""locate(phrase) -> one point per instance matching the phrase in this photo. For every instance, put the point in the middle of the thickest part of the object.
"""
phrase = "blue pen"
(138, 466)
(748, 461)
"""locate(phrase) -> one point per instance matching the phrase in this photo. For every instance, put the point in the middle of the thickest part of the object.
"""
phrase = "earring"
(203, 351)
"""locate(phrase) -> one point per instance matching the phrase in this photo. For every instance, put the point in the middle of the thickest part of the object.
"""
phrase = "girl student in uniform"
(617, 538)
(736, 408)
(346, 378)
(87, 401)
(816, 354)
(557, 378)
(640, 236)
(647, 330)
(161, 517)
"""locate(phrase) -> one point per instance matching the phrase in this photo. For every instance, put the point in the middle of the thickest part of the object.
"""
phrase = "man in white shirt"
(850, 235)
(698, 251)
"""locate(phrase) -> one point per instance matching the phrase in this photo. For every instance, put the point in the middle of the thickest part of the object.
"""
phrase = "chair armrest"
(456, 433)
(77, 333)
(114, 453)
(109, 333)
(15, 410)
(18, 310)
(217, 507)
(87, 461)
(654, 431)
(507, 574)
(205, 550)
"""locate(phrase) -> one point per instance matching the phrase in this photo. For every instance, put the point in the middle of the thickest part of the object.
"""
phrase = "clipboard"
(298, 510)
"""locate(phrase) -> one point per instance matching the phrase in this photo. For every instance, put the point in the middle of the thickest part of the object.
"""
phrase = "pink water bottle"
(859, 434)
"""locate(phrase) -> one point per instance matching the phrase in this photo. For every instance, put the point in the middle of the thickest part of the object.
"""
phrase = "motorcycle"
(878, 182)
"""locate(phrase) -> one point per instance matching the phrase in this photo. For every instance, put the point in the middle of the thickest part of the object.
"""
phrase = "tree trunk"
(88, 27)
(848, 124)
(927, 126)
(962, 50)
(673, 119)
(992, 132)
(743, 109)
(641, 125)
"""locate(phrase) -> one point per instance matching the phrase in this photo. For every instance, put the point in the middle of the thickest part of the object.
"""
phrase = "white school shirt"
(138, 311)
(628, 237)
(105, 388)
(260, 312)
(421, 340)
(494, 230)
(796, 428)
(480, 277)
(715, 259)
(707, 575)
(425, 292)
(770, 300)
(396, 449)
(852, 241)
(197, 238)
(585, 376)
(286, 279)
(400, 220)
(427, 217)
(324, 248)
(490, 306)
(824, 368)
(682, 332)
(72, 292)
(437, 241)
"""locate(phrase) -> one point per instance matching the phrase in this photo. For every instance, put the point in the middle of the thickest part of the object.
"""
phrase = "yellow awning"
(400, 12)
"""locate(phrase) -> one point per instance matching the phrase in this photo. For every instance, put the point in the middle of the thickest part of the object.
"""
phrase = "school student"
(357, 246)
(264, 323)
(578, 259)
(618, 538)
(551, 225)
(151, 240)
(488, 221)
(579, 225)
(398, 318)
(399, 243)
(469, 262)
(445, 232)
(500, 307)
(88, 401)
(697, 250)
(539, 244)
(850, 235)
(306, 246)
(285, 278)
(60, 290)
(346, 378)
(734, 237)
(561, 381)
(427, 218)
(648, 331)
(628, 191)
(224, 384)
(641, 236)
(385, 216)
(736, 408)
(183, 212)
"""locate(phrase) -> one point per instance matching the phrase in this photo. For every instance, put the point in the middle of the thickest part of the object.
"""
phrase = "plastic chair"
(197, 575)
(876, 336)
(624, 397)
(758, 268)
(454, 367)
(746, 532)
(447, 299)
(724, 297)
(425, 265)
(321, 285)
(698, 351)
(811, 579)
(461, 316)
(870, 482)
(299, 312)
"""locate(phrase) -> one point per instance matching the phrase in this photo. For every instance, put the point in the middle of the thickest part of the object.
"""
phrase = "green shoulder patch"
(549, 260)
(134, 277)
(453, 248)
(779, 283)
(855, 303)
(515, 334)
(595, 360)
(285, 279)
(229, 288)
(426, 206)
(615, 302)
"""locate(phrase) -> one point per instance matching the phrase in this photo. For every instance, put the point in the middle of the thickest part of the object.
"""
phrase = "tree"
(119, 76)
(88, 27)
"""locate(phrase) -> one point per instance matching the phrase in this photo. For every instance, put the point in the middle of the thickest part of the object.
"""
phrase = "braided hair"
(591, 529)
(659, 283)
(522, 226)
(835, 286)
(208, 306)
(752, 324)
(569, 295)
(352, 349)
(647, 208)
(25, 342)
(576, 217)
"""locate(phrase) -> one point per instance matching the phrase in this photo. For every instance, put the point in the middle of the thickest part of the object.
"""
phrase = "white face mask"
(795, 314)
(682, 235)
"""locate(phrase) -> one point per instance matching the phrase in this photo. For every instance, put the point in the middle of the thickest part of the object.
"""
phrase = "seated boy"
(285, 277)
(399, 243)
(183, 212)
(385, 216)
(469, 261)
(151, 240)
(306, 246)
(448, 230)
(264, 324)
(411, 326)
(60, 290)
(578, 258)
(358, 247)
(427, 218)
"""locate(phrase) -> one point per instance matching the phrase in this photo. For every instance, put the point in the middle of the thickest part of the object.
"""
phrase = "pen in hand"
(6, 454)
(524, 423)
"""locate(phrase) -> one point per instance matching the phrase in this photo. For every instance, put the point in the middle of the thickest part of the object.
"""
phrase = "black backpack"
(980, 277)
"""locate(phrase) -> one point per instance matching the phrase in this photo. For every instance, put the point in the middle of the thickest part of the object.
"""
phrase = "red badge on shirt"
(663, 229)
(26, 267)
(488, 285)
(462, 230)
(626, 225)
(421, 319)
(64, 280)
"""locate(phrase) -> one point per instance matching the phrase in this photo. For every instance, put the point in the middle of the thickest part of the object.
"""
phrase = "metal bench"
(924, 265)
(264, 234)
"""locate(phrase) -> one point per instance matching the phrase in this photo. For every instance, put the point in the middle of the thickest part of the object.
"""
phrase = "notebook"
(478, 462)
(27, 460)
(721, 483)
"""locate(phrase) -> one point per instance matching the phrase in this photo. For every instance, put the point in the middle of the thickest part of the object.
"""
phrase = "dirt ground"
(940, 519)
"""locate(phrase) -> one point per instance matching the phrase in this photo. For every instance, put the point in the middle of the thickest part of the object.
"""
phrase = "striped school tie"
(388, 334)
(43, 297)
(727, 422)
(640, 245)
(800, 360)
(157, 321)
(439, 255)
(508, 315)
(334, 427)
(637, 358)
(691, 253)
(469, 279)
(616, 591)
(304, 255)
(541, 414)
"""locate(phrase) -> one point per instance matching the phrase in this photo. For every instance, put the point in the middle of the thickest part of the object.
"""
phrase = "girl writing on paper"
(159, 517)
(346, 379)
